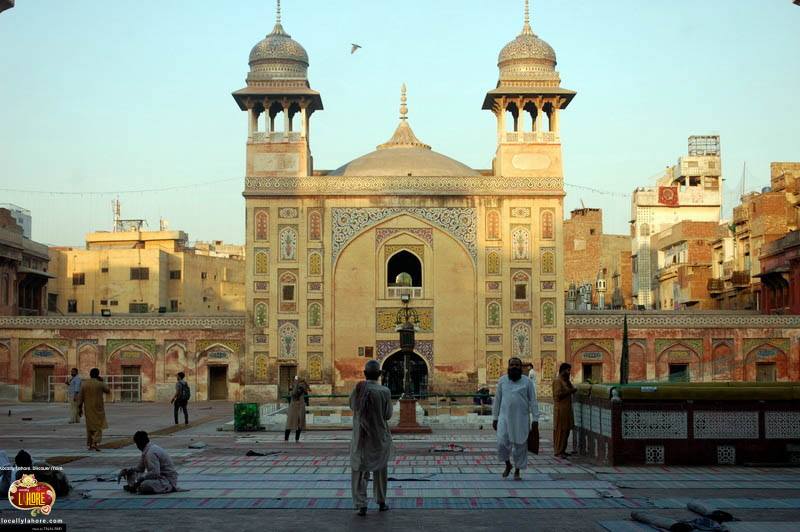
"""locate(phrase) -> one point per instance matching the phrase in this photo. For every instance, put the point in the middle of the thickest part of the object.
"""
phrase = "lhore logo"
(28, 494)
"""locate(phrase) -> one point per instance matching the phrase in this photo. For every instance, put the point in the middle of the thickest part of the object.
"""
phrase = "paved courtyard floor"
(437, 482)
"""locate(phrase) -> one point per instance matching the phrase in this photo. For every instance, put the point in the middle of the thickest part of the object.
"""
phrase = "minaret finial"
(278, 12)
(403, 106)
(526, 26)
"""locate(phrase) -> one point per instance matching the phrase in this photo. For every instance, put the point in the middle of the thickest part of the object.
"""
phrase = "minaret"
(279, 103)
(527, 102)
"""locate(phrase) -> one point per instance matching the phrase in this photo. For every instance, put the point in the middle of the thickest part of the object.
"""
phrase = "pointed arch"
(261, 225)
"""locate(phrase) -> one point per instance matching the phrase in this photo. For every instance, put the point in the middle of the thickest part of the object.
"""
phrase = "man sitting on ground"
(155, 472)
(44, 472)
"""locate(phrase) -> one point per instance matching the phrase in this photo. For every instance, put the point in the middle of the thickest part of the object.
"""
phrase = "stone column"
(287, 124)
(539, 110)
(252, 122)
(304, 122)
(554, 120)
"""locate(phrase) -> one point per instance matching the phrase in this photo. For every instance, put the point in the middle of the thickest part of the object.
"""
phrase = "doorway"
(593, 373)
(41, 382)
(394, 374)
(131, 377)
(765, 372)
(285, 380)
(217, 383)
(679, 373)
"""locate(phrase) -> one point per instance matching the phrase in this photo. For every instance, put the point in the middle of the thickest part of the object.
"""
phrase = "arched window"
(314, 315)
(288, 292)
(262, 262)
(404, 262)
(261, 224)
(520, 243)
(314, 263)
(493, 225)
(288, 243)
(493, 264)
(493, 314)
(314, 366)
(315, 225)
(521, 281)
(547, 225)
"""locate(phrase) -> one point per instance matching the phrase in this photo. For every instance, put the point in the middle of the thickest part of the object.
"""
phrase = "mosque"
(333, 255)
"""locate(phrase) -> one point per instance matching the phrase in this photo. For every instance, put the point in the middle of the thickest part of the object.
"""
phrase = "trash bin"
(246, 417)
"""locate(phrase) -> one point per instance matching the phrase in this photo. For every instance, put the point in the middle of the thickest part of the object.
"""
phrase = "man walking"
(73, 389)
(90, 399)
(371, 445)
(155, 472)
(514, 406)
(181, 397)
(562, 409)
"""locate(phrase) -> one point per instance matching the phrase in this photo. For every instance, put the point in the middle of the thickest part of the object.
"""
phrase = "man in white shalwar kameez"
(514, 413)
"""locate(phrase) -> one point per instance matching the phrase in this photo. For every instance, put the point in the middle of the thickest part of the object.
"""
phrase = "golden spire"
(403, 136)
(526, 26)
(403, 106)
(278, 29)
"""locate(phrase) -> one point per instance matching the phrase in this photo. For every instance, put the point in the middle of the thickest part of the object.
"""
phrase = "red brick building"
(780, 275)
(684, 256)
(699, 346)
(23, 271)
(589, 255)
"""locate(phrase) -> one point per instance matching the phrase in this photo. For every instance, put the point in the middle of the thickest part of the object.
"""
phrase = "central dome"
(404, 155)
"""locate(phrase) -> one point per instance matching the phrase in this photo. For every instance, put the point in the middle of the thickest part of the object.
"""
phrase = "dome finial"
(526, 26)
(278, 13)
(403, 106)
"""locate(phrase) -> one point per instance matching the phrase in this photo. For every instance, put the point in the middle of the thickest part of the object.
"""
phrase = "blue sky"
(119, 95)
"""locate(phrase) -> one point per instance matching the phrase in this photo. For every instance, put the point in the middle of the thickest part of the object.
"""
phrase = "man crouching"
(155, 472)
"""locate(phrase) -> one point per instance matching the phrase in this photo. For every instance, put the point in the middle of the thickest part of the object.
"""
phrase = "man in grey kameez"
(155, 472)
(371, 445)
(514, 407)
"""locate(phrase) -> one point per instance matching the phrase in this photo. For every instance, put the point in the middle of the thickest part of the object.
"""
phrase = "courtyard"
(450, 477)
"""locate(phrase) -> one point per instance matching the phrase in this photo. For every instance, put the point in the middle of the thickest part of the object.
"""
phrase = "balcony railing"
(530, 137)
(740, 278)
(275, 136)
(394, 292)
(715, 286)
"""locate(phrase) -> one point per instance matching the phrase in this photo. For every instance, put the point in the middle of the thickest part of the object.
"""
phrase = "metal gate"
(124, 388)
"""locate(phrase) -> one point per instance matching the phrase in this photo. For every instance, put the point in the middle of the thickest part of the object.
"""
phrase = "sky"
(103, 98)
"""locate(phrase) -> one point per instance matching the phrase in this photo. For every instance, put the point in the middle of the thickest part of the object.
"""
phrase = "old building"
(780, 275)
(23, 270)
(595, 258)
(689, 190)
(330, 252)
(684, 257)
(139, 357)
(698, 346)
(143, 272)
(218, 248)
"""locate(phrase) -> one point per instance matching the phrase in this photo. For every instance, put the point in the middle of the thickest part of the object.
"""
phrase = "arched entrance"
(393, 373)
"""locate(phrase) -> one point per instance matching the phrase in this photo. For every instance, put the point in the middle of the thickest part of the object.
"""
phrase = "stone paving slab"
(741, 526)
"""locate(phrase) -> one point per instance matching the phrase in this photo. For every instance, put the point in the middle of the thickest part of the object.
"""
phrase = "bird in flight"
(354, 48)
